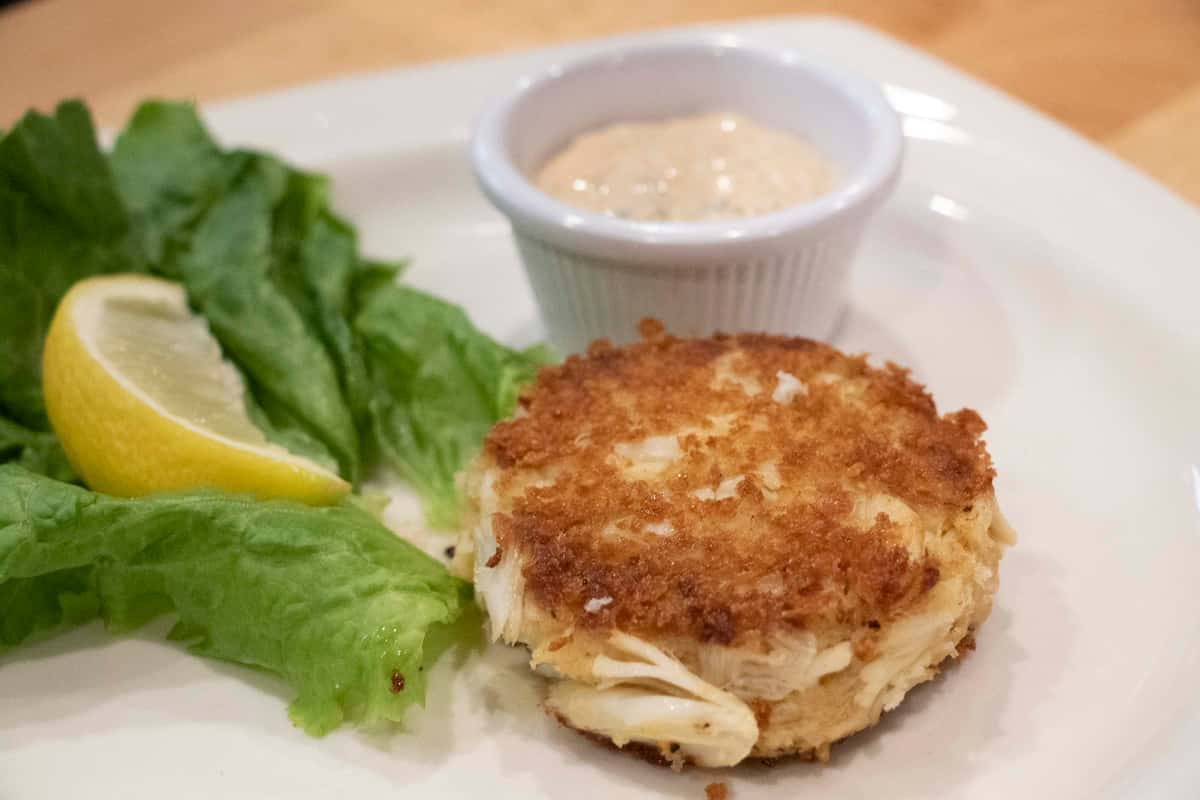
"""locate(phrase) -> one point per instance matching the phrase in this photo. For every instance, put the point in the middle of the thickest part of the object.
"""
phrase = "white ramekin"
(596, 276)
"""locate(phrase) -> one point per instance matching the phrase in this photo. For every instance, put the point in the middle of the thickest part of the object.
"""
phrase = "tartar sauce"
(712, 166)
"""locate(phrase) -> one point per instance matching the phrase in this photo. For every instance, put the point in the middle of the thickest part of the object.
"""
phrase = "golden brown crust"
(779, 552)
(716, 791)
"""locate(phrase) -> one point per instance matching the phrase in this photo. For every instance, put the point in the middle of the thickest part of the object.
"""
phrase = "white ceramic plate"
(1018, 270)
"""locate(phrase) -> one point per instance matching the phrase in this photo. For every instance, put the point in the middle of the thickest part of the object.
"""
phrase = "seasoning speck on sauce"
(711, 166)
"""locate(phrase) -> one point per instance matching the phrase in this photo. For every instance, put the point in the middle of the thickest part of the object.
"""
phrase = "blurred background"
(1125, 73)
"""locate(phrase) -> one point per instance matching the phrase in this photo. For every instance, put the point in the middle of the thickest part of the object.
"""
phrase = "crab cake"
(737, 546)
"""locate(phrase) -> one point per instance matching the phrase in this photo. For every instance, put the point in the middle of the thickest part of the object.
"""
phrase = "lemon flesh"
(143, 401)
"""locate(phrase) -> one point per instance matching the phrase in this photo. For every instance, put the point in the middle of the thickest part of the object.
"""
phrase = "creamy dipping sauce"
(712, 166)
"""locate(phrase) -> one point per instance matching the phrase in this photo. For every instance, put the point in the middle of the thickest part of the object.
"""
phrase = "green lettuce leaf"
(40, 605)
(317, 264)
(169, 171)
(266, 260)
(61, 220)
(36, 451)
(439, 385)
(226, 272)
(345, 612)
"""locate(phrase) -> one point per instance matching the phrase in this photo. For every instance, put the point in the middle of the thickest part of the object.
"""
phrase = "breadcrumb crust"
(787, 545)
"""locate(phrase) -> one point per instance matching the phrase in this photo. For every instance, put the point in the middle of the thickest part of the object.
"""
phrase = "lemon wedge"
(143, 401)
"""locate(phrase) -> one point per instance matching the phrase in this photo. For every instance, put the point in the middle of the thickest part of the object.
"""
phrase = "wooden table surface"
(1125, 73)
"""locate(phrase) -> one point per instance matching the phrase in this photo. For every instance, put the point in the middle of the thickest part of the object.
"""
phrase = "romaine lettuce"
(61, 220)
(438, 386)
(328, 598)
